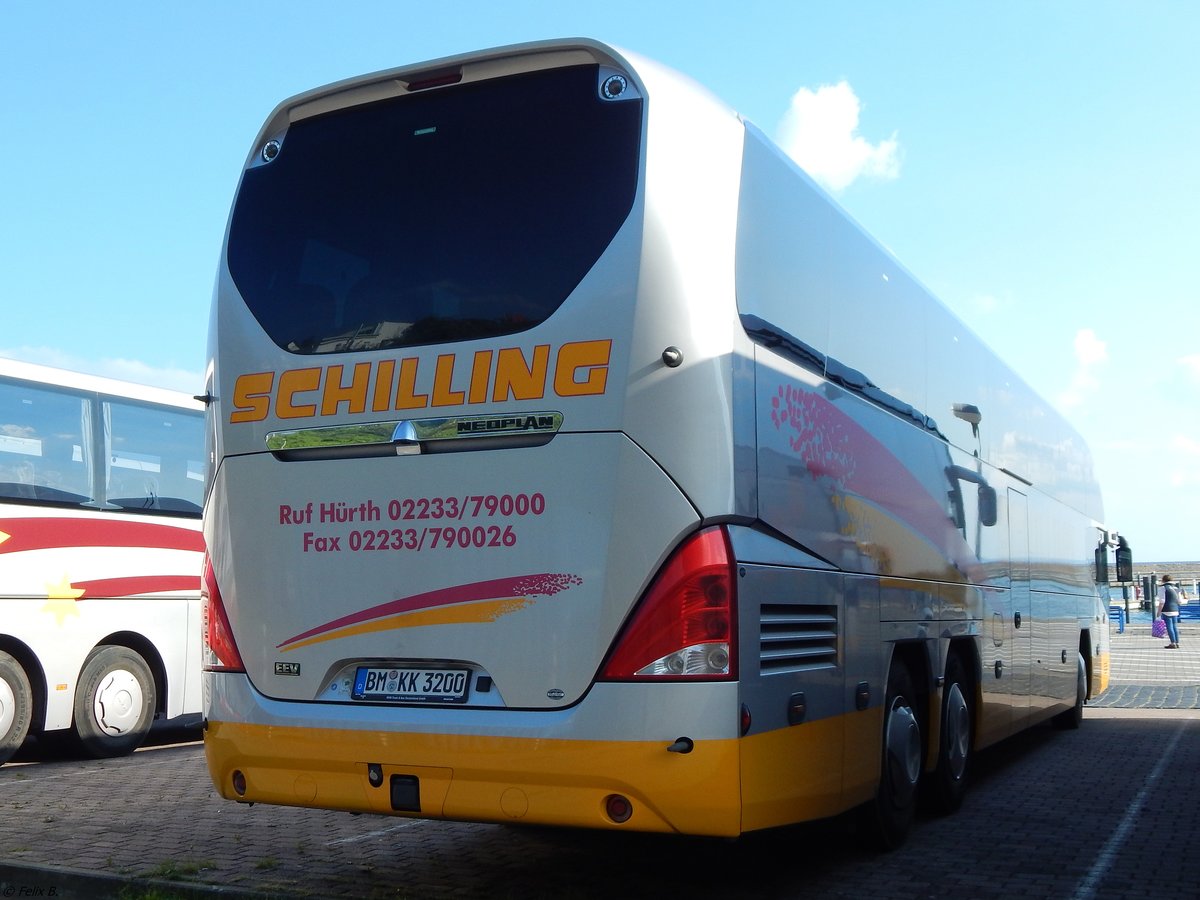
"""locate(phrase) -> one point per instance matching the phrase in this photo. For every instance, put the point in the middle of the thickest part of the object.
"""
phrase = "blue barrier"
(1118, 613)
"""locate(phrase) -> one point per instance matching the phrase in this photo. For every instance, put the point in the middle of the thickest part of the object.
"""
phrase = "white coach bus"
(579, 462)
(100, 556)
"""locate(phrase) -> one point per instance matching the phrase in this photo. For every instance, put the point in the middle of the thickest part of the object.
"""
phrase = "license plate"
(395, 684)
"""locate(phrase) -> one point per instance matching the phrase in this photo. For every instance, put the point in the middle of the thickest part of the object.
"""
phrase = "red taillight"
(684, 626)
(220, 651)
(427, 80)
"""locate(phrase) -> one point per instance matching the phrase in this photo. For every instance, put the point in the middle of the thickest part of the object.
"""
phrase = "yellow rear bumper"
(721, 787)
(516, 780)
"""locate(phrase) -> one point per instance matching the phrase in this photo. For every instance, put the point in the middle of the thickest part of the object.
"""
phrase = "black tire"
(889, 816)
(1072, 718)
(114, 705)
(955, 740)
(16, 706)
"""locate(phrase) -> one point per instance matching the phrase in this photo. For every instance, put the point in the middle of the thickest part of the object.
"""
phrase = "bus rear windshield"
(455, 214)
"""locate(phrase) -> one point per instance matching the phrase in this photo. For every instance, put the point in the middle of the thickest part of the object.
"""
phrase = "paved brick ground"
(1074, 815)
(1146, 675)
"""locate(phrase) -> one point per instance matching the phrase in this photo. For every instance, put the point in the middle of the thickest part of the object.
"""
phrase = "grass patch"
(140, 893)
(176, 870)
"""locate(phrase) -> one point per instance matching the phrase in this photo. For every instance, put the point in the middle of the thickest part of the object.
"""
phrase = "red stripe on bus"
(42, 533)
(137, 584)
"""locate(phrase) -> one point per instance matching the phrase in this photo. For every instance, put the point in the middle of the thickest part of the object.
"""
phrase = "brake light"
(427, 80)
(220, 651)
(683, 628)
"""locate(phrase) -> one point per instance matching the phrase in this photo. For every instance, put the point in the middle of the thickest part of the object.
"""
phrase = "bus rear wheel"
(1073, 717)
(16, 706)
(114, 706)
(889, 817)
(954, 746)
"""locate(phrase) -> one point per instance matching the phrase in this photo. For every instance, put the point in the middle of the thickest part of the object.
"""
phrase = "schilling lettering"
(575, 369)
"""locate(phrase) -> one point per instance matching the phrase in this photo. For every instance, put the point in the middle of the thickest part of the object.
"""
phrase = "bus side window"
(16, 476)
(63, 467)
(41, 445)
(148, 455)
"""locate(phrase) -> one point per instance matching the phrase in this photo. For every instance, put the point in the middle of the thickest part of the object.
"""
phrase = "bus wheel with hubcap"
(889, 817)
(954, 746)
(1073, 717)
(16, 706)
(114, 706)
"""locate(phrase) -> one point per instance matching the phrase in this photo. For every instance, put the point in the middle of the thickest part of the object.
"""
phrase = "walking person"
(1168, 597)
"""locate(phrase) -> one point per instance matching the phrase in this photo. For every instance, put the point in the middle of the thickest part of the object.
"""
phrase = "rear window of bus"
(455, 214)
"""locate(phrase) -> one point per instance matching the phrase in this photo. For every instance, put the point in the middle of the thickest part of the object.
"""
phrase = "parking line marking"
(33, 775)
(380, 833)
(1087, 887)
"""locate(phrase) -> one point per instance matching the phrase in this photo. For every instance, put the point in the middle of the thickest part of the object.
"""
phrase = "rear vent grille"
(797, 638)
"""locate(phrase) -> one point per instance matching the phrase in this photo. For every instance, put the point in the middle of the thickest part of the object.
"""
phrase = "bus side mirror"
(987, 505)
(1124, 564)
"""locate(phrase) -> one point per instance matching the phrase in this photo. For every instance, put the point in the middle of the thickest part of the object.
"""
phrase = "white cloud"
(191, 382)
(1186, 445)
(1091, 354)
(1192, 364)
(1186, 463)
(984, 304)
(820, 132)
(1089, 349)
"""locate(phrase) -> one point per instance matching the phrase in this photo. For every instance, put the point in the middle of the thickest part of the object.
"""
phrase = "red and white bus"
(101, 484)
(578, 461)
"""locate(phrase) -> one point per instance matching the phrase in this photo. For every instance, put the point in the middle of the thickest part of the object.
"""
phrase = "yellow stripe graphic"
(459, 614)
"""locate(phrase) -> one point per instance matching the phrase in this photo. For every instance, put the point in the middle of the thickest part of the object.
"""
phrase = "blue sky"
(1034, 163)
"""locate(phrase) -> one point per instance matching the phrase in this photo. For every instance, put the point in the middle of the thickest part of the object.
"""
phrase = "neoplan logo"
(508, 424)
